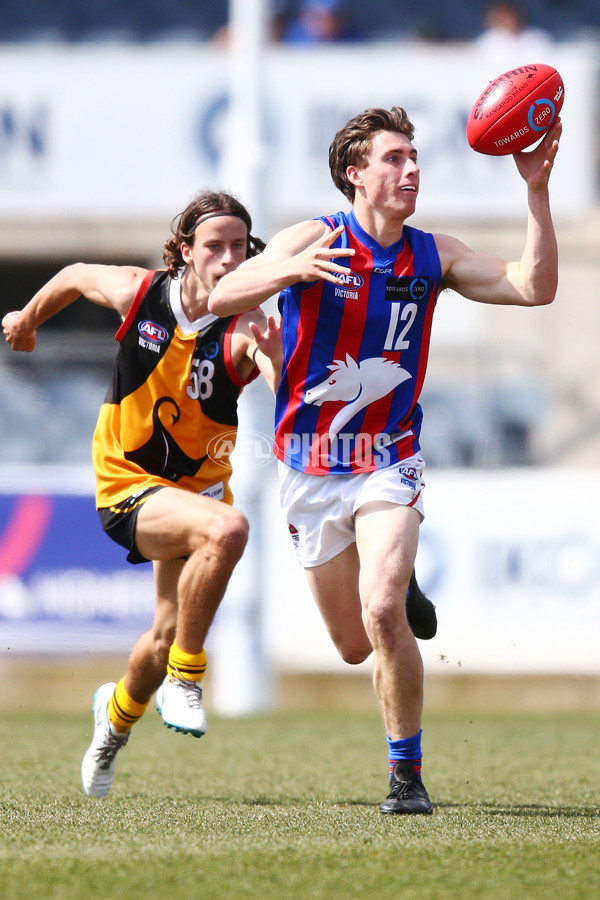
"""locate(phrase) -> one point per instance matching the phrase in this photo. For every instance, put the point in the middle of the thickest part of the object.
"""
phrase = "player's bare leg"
(334, 586)
(387, 538)
(196, 543)
(117, 707)
(211, 536)
(359, 628)
(148, 660)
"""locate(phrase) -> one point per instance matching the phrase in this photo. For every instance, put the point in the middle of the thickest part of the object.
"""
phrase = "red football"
(515, 110)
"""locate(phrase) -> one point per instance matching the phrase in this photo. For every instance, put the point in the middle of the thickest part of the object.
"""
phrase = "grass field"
(285, 806)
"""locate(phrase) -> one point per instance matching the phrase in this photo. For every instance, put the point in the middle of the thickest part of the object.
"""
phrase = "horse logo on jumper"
(358, 384)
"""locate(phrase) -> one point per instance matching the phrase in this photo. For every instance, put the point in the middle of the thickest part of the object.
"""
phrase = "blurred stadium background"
(112, 116)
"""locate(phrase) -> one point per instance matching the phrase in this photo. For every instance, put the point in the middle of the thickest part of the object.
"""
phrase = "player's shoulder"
(136, 282)
(450, 251)
(295, 238)
(448, 245)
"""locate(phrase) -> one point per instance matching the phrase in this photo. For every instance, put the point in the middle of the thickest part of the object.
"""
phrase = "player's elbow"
(219, 303)
(545, 296)
(215, 305)
(74, 271)
(551, 292)
(539, 292)
(546, 300)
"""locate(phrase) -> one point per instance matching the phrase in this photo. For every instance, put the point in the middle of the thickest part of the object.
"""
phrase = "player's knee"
(353, 648)
(162, 639)
(354, 655)
(384, 620)
(231, 534)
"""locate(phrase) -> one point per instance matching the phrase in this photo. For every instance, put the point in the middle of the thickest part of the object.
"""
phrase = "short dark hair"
(183, 225)
(352, 143)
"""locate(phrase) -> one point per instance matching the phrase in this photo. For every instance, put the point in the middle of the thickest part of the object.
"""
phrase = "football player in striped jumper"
(357, 293)
(161, 452)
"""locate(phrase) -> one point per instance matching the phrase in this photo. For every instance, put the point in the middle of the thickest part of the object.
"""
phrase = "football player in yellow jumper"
(160, 452)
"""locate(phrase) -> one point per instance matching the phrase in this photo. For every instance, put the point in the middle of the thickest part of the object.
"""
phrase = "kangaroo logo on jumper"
(358, 384)
(153, 332)
(161, 454)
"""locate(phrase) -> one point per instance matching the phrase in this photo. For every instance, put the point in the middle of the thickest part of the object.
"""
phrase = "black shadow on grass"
(274, 800)
(294, 801)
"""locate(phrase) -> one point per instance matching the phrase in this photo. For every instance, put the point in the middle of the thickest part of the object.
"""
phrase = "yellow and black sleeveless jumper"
(170, 415)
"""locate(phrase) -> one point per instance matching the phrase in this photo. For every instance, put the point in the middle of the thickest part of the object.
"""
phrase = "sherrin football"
(515, 110)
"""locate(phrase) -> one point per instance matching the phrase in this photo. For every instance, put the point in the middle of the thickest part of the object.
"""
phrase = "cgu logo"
(351, 280)
(153, 332)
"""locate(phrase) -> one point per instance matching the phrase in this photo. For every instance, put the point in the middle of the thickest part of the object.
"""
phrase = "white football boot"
(100, 761)
(179, 701)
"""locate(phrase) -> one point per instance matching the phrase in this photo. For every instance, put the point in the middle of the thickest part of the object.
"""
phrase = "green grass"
(285, 806)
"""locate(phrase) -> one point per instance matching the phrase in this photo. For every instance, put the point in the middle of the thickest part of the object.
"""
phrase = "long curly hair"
(352, 143)
(183, 225)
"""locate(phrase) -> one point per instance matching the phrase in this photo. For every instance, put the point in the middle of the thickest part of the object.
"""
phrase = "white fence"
(511, 558)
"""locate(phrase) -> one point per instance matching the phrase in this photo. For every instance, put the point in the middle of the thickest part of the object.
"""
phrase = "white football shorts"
(319, 509)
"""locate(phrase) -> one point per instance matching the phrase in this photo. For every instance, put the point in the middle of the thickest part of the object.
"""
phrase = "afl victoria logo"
(153, 332)
(351, 280)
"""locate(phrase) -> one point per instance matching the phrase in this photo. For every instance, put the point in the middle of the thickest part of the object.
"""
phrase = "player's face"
(390, 179)
(220, 245)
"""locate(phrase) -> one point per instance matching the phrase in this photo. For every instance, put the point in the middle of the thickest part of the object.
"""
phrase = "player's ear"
(186, 252)
(354, 176)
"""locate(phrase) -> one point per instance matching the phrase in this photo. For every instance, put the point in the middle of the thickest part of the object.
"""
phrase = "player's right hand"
(18, 338)
(317, 260)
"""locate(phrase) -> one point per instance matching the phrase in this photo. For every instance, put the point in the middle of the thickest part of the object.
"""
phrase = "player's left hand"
(269, 341)
(535, 165)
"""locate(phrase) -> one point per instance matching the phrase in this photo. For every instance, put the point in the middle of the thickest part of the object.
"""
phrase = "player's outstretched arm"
(111, 286)
(300, 253)
(533, 280)
(536, 274)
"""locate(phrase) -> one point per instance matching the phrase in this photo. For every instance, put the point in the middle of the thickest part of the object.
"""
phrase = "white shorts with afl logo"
(320, 509)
